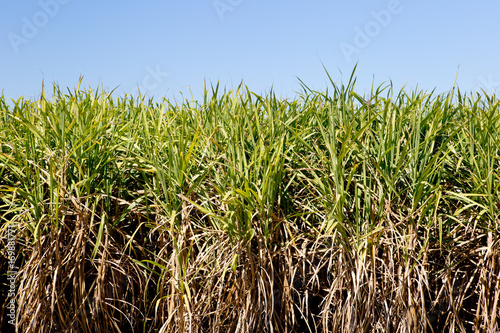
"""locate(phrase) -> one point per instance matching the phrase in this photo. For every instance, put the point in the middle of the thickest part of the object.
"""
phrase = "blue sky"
(172, 47)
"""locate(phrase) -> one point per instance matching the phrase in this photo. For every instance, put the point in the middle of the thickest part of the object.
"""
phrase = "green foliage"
(232, 189)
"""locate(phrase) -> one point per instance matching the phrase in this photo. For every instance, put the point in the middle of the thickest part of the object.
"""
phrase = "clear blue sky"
(167, 47)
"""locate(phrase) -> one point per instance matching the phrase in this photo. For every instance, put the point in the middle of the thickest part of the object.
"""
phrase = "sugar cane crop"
(331, 212)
